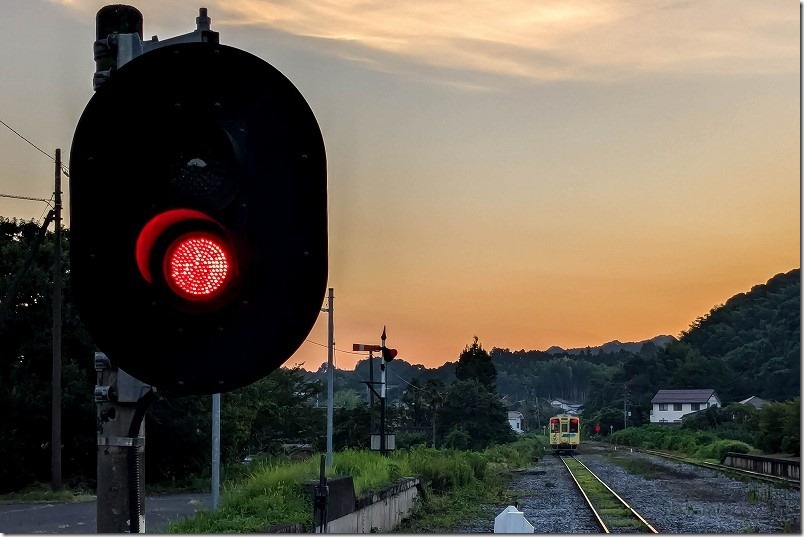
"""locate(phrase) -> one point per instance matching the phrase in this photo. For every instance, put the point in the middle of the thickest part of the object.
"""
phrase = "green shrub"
(457, 438)
(706, 444)
(407, 440)
(717, 450)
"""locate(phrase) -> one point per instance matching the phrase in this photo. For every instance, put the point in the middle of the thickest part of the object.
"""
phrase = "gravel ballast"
(674, 497)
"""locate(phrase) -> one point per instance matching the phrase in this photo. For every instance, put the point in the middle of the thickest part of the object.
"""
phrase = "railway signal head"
(198, 218)
(388, 354)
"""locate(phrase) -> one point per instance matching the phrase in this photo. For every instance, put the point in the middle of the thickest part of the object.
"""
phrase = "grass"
(456, 484)
(641, 467)
(442, 513)
(607, 506)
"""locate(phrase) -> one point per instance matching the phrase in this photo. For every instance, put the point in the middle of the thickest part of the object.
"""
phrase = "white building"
(669, 406)
(515, 421)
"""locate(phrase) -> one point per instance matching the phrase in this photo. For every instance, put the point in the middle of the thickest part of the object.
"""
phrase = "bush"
(704, 444)
(779, 427)
(406, 440)
(457, 438)
(735, 431)
(717, 450)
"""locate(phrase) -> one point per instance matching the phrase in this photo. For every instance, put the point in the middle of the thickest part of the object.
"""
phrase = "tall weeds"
(275, 492)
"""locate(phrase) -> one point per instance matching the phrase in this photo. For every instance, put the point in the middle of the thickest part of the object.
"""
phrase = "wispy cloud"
(545, 40)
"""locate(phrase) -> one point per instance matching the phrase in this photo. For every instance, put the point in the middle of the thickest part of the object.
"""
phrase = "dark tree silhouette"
(475, 364)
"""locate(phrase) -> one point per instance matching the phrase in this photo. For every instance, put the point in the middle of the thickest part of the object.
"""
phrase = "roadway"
(81, 517)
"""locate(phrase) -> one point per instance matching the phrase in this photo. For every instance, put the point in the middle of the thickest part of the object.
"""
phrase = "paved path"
(81, 517)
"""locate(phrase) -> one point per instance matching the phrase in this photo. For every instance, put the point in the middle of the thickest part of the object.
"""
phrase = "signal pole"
(216, 449)
(370, 383)
(121, 401)
(371, 392)
(382, 396)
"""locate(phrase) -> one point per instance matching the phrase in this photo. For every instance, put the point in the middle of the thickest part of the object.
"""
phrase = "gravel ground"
(673, 497)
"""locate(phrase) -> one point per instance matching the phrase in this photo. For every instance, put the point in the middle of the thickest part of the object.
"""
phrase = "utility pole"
(330, 374)
(434, 423)
(55, 432)
(538, 414)
(625, 409)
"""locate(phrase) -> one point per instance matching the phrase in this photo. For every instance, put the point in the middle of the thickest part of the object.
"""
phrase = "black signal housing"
(198, 139)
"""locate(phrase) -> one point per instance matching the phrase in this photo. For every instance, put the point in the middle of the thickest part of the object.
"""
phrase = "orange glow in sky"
(535, 174)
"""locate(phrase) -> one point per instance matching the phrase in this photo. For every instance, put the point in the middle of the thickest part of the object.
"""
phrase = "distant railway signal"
(388, 354)
(198, 206)
(366, 348)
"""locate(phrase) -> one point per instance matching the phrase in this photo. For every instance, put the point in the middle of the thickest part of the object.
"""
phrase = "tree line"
(749, 346)
(277, 413)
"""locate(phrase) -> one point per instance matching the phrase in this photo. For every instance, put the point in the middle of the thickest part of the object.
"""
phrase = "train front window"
(554, 426)
(573, 426)
(564, 427)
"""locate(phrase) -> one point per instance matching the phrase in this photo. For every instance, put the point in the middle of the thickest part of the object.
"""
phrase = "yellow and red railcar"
(565, 433)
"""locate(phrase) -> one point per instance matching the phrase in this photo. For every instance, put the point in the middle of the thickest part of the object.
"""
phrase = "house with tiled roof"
(669, 406)
(566, 406)
(754, 401)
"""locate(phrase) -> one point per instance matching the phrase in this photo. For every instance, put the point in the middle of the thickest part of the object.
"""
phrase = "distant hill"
(614, 346)
(748, 346)
(756, 338)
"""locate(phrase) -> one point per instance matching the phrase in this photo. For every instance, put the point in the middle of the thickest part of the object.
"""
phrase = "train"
(565, 433)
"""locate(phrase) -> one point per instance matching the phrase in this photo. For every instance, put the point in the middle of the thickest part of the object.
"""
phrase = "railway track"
(727, 469)
(613, 514)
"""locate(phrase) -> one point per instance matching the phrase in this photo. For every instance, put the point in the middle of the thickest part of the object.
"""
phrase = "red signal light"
(193, 252)
(198, 266)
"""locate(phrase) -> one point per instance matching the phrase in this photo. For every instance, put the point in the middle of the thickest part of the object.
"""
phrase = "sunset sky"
(535, 173)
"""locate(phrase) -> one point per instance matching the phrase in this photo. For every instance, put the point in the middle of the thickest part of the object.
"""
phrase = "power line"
(337, 349)
(51, 157)
(47, 207)
(403, 380)
(48, 203)
(25, 198)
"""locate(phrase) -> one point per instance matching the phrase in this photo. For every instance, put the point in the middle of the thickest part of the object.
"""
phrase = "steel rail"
(585, 497)
(623, 502)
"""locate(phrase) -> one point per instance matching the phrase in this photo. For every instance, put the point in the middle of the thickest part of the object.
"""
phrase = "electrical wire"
(25, 198)
(47, 207)
(337, 349)
(64, 168)
(48, 203)
(388, 369)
